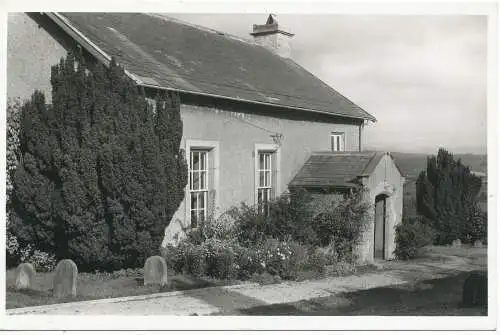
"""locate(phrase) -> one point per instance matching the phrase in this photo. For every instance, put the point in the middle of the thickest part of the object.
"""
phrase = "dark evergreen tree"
(446, 196)
(100, 174)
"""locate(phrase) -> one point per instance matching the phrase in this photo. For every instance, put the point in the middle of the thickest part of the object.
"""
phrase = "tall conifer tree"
(100, 175)
(446, 195)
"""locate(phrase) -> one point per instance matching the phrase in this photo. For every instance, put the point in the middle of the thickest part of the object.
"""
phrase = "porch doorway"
(379, 227)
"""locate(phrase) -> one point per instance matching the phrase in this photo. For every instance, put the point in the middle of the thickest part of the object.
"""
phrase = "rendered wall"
(31, 51)
(237, 133)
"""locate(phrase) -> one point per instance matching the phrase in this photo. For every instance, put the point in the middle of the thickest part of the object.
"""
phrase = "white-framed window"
(337, 141)
(267, 174)
(265, 178)
(201, 199)
(198, 185)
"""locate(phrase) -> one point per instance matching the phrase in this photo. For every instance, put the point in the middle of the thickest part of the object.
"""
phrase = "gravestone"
(456, 243)
(475, 290)
(25, 276)
(155, 271)
(65, 279)
(478, 244)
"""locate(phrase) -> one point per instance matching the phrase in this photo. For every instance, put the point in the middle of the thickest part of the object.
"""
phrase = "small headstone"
(25, 276)
(478, 244)
(456, 243)
(475, 290)
(155, 271)
(65, 279)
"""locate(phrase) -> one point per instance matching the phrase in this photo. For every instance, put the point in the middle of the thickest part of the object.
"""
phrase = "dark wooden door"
(379, 231)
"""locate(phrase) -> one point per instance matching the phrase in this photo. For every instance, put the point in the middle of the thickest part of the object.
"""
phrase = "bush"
(342, 226)
(288, 217)
(412, 235)
(16, 253)
(250, 223)
(222, 228)
(282, 258)
(477, 227)
(219, 259)
(244, 242)
(317, 261)
(174, 258)
(42, 261)
(247, 261)
(329, 253)
(192, 260)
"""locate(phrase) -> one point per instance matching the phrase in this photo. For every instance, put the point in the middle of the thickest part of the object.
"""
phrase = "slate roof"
(336, 169)
(165, 53)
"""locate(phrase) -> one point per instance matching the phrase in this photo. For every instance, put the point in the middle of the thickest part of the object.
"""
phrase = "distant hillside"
(412, 164)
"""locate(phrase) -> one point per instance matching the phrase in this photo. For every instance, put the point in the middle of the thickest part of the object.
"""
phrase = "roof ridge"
(166, 17)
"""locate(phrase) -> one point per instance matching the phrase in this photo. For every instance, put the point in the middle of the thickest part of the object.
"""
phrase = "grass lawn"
(430, 297)
(94, 286)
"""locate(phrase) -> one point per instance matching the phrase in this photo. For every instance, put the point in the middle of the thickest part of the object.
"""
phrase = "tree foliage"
(12, 156)
(13, 115)
(101, 173)
(412, 235)
(447, 196)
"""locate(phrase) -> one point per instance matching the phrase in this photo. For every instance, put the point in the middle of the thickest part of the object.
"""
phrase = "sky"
(423, 77)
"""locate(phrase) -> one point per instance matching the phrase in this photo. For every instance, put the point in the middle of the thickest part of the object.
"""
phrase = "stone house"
(252, 116)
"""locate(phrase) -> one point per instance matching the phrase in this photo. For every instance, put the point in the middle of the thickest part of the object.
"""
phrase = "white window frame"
(275, 185)
(200, 191)
(212, 148)
(337, 142)
(265, 176)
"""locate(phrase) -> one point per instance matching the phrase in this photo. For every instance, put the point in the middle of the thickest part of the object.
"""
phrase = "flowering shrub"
(244, 243)
(247, 261)
(219, 259)
(42, 261)
(282, 258)
(189, 258)
(222, 228)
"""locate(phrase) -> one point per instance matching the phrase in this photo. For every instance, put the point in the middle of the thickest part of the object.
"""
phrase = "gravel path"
(219, 299)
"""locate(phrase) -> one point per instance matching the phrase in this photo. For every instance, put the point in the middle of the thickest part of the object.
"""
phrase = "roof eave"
(324, 187)
(159, 87)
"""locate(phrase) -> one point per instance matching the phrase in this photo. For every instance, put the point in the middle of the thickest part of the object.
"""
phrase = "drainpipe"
(361, 126)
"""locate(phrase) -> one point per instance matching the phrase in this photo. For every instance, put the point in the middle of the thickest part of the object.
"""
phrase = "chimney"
(273, 36)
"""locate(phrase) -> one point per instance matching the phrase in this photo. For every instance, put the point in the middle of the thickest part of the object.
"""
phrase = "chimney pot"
(273, 36)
